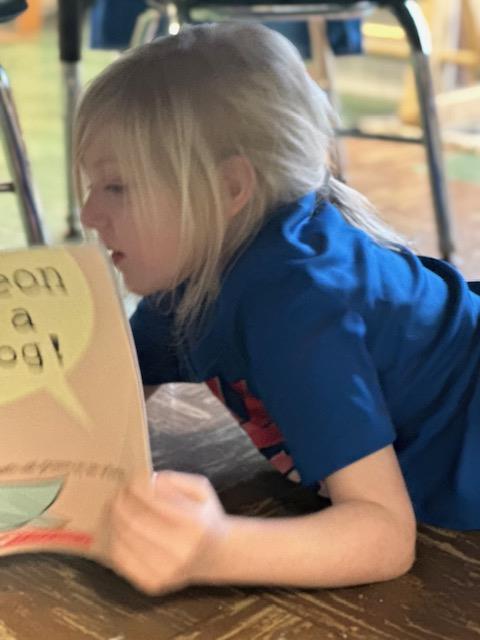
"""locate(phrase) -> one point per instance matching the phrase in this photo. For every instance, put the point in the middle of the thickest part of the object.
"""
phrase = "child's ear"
(239, 182)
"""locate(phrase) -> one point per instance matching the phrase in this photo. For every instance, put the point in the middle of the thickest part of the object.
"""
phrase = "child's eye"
(115, 188)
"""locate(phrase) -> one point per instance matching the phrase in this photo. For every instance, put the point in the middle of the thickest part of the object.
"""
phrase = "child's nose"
(91, 217)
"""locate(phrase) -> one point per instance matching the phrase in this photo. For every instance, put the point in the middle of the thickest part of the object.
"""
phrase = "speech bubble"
(46, 324)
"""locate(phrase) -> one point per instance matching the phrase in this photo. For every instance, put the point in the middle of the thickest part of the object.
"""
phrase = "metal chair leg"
(417, 31)
(70, 16)
(72, 88)
(19, 165)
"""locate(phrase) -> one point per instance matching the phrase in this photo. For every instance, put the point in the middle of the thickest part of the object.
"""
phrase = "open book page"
(72, 414)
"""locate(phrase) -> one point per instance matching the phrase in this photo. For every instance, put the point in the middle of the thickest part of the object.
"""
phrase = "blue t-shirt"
(328, 347)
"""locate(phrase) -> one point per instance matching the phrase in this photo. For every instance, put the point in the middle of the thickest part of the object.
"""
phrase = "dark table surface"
(61, 598)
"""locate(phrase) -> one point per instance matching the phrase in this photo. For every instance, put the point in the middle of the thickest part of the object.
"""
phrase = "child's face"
(147, 263)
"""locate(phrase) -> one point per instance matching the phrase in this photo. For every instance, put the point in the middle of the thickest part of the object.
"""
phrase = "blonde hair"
(179, 106)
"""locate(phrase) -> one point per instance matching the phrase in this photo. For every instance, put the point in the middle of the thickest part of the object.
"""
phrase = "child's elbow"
(395, 567)
(403, 558)
(405, 562)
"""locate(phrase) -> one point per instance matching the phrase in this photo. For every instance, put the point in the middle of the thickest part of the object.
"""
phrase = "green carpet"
(36, 79)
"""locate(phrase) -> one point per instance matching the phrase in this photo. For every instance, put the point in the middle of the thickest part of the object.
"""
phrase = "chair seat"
(10, 9)
(318, 6)
(204, 10)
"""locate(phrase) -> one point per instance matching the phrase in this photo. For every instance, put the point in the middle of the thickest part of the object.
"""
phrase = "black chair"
(17, 160)
(70, 19)
(408, 14)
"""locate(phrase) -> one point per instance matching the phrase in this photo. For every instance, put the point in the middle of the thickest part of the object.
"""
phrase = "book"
(72, 413)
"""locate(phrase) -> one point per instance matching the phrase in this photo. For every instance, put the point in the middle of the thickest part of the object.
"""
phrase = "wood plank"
(260, 620)
(459, 107)
(74, 599)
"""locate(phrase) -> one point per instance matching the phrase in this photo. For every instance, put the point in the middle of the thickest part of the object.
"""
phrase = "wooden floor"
(47, 597)
(394, 177)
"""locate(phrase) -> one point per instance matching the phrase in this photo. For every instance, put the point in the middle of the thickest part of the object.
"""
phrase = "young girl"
(350, 361)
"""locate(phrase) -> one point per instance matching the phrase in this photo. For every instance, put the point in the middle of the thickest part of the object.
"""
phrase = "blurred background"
(375, 92)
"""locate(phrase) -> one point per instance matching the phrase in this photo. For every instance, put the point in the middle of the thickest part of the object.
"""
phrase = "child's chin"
(146, 286)
(140, 288)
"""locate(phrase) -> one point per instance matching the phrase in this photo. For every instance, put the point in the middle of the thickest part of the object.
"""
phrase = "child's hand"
(164, 533)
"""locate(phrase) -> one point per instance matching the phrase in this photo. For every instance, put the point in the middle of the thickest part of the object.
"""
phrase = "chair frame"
(18, 164)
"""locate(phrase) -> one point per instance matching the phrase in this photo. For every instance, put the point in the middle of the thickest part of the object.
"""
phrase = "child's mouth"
(117, 257)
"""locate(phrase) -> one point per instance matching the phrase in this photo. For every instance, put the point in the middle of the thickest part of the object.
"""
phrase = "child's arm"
(175, 533)
(367, 535)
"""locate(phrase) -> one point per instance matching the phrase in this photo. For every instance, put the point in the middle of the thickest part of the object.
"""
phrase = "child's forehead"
(104, 168)
(99, 152)
(105, 163)
(100, 160)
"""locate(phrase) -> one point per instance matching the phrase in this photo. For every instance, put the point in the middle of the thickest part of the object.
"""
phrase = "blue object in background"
(112, 23)
(296, 32)
(345, 36)
(10, 9)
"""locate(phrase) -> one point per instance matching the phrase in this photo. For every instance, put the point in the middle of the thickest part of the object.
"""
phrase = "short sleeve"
(310, 367)
(152, 334)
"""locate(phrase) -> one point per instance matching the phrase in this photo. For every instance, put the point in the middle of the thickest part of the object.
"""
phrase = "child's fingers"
(168, 483)
(151, 552)
(140, 525)
(139, 495)
(194, 486)
(152, 516)
(128, 560)
(144, 539)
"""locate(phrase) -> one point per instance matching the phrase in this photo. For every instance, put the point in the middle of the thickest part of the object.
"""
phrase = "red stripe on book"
(45, 536)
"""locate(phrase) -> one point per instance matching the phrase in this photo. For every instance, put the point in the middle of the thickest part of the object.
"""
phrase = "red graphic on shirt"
(215, 387)
(283, 462)
(259, 427)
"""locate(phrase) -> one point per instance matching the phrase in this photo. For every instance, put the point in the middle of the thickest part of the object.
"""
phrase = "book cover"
(72, 414)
